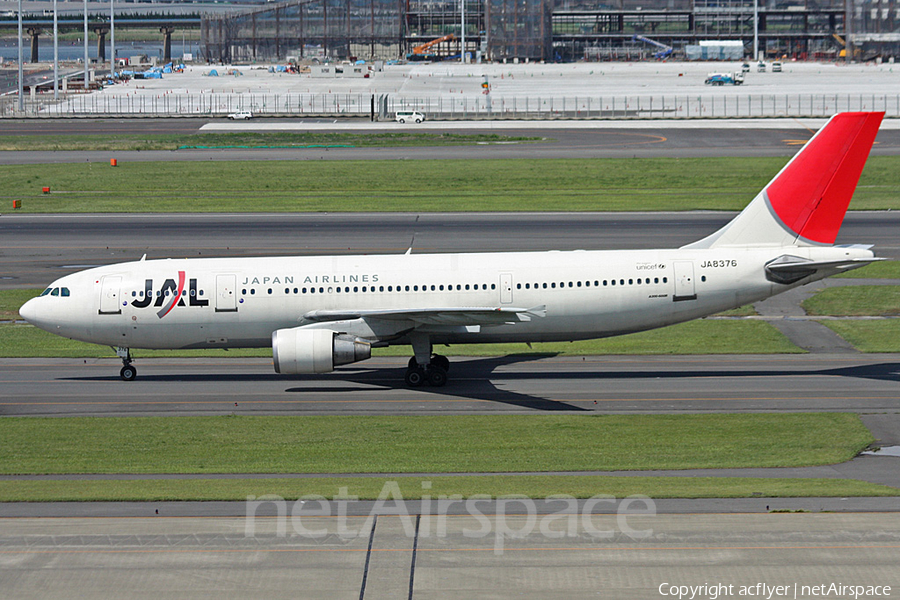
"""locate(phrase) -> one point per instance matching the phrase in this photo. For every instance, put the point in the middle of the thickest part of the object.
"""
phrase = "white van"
(409, 115)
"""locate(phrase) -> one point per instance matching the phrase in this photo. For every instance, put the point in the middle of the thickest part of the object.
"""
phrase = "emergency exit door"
(684, 281)
(505, 288)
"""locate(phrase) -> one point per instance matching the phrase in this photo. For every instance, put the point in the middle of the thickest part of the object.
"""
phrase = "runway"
(511, 384)
(592, 139)
(36, 249)
(402, 556)
(494, 555)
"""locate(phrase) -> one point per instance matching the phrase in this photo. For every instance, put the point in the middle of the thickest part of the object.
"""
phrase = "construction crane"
(421, 52)
(664, 50)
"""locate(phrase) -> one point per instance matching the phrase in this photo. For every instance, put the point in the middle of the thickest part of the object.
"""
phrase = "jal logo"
(171, 293)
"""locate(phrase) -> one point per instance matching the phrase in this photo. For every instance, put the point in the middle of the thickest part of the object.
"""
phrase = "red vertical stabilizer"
(810, 195)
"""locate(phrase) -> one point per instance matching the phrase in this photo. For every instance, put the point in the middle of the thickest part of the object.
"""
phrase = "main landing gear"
(425, 367)
(128, 372)
(434, 373)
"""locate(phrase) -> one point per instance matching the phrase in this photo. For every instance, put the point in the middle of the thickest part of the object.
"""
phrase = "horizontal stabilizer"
(788, 269)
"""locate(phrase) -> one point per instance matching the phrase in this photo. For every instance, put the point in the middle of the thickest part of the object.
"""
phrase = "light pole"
(21, 71)
(755, 29)
(87, 60)
(112, 39)
(462, 42)
(55, 54)
(848, 18)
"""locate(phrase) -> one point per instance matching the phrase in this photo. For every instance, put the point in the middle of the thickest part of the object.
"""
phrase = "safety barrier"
(463, 107)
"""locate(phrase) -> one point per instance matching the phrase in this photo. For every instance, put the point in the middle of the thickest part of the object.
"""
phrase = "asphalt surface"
(620, 141)
(519, 384)
(36, 249)
(504, 555)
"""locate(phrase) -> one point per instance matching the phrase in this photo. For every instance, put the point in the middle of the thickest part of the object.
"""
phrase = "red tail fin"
(810, 195)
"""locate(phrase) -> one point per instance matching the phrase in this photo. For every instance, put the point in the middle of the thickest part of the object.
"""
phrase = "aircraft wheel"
(437, 377)
(128, 373)
(415, 377)
(441, 361)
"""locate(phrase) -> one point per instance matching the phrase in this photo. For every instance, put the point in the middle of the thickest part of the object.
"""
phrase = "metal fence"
(648, 107)
(459, 108)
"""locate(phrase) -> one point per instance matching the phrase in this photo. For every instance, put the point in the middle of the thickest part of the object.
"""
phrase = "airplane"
(320, 312)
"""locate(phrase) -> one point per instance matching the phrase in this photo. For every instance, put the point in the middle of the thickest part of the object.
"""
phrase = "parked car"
(761, 67)
(409, 115)
(241, 114)
(776, 67)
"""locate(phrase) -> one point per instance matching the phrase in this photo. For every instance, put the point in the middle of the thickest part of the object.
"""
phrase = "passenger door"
(110, 289)
(226, 293)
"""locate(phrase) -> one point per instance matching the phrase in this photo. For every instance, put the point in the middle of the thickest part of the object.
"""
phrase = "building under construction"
(560, 30)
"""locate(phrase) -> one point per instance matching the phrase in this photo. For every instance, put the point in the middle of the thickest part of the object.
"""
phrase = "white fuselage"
(228, 302)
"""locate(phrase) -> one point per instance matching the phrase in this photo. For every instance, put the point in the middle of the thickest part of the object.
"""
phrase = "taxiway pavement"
(512, 384)
(573, 140)
(36, 249)
(495, 555)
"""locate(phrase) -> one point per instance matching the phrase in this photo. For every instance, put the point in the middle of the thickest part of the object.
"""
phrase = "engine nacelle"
(299, 351)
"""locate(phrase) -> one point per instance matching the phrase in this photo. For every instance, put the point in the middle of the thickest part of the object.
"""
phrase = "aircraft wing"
(471, 315)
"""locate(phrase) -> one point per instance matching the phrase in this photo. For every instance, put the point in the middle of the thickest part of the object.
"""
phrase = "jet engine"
(301, 351)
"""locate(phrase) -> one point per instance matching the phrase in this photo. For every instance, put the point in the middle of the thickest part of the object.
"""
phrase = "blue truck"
(724, 78)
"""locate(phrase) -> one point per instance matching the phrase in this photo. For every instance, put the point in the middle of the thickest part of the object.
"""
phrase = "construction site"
(558, 31)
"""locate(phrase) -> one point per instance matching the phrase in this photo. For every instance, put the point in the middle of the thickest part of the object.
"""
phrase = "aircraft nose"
(29, 311)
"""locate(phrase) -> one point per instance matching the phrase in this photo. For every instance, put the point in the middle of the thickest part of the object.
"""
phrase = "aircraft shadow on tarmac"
(481, 377)
(477, 385)
(477, 379)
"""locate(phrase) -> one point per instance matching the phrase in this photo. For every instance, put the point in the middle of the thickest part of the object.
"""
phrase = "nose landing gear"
(128, 372)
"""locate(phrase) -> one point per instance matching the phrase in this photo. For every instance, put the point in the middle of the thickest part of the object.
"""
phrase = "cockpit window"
(64, 292)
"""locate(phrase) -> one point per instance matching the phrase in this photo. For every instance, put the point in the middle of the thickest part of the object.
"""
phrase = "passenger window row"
(457, 287)
(167, 293)
(595, 283)
(377, 289)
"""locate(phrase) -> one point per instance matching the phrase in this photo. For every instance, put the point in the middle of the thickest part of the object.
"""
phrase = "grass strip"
(250, 139)
(425, 444)
(695, 337)
(884, 269)
(411, 488)
(856, 300)
(869, 336)
(12, 300)
(669, 184)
